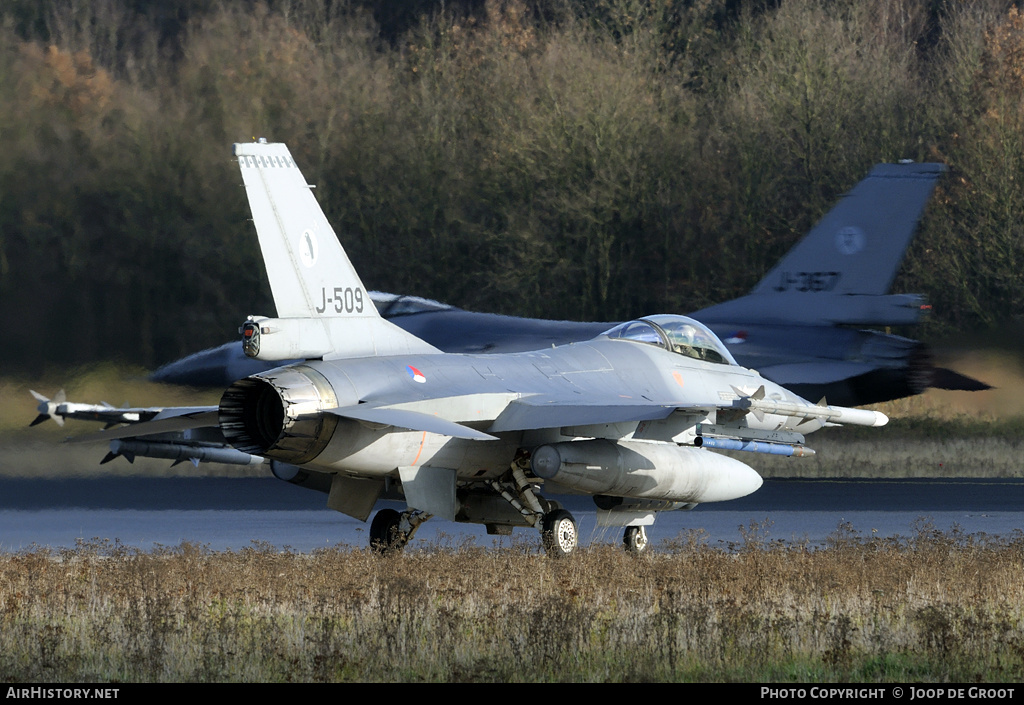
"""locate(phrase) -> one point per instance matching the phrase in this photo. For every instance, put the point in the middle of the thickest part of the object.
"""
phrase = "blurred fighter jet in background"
(806, 326)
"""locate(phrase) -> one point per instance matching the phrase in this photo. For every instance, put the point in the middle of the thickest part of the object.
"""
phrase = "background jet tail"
(841, 271)
(858, 246)
(317, 292)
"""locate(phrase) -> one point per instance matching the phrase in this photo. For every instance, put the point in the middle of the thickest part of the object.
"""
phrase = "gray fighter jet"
(802, 326)
(630, 417)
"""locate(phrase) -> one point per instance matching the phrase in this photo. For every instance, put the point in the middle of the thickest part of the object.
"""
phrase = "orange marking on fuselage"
(423, 439)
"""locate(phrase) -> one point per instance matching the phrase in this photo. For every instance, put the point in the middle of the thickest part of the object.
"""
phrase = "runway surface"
(231, 513)
(228, 513)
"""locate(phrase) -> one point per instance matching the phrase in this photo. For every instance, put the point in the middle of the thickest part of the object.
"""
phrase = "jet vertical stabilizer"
(323, 307)
(840, 273)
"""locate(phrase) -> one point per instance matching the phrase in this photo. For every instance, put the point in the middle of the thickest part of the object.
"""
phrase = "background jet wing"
(815, 372)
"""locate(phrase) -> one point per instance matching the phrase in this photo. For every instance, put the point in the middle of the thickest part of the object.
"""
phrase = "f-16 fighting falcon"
(371, 412)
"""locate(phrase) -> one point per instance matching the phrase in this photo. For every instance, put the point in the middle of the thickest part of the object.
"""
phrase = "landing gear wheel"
(386, 535)
(559, 533)
(635, 539)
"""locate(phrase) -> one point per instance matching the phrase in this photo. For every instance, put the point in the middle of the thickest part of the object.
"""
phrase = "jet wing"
(411, 420)
(173, 433)
(538, 412)
(170, 420)
(183, 417)
(530, 413)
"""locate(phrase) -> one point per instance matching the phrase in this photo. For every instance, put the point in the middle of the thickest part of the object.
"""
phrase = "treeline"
(595, 159)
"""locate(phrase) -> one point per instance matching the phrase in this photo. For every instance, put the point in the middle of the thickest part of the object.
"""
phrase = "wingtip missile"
(858, 417)
(49, 408)
(758, 405)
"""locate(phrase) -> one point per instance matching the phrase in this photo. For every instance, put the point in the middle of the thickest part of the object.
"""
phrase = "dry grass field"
(933, 608)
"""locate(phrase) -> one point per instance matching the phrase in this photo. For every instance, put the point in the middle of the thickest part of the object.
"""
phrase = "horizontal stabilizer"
(943, 378)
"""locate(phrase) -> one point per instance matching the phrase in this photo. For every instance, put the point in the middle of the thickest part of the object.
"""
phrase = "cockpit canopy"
(391, 305)
(678, 334)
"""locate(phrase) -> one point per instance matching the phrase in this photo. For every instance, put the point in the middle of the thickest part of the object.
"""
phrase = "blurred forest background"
(579, 159)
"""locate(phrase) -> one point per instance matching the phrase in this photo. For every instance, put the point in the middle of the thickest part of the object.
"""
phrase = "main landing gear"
(500, 504)
(390, 530)
(558, 533)
(635, 539)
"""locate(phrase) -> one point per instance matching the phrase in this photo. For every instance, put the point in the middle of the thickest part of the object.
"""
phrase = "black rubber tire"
(635, 540)
(385, 535)
(559, 533)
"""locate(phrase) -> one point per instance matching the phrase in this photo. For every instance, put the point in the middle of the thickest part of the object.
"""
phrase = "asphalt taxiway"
(235, 513)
